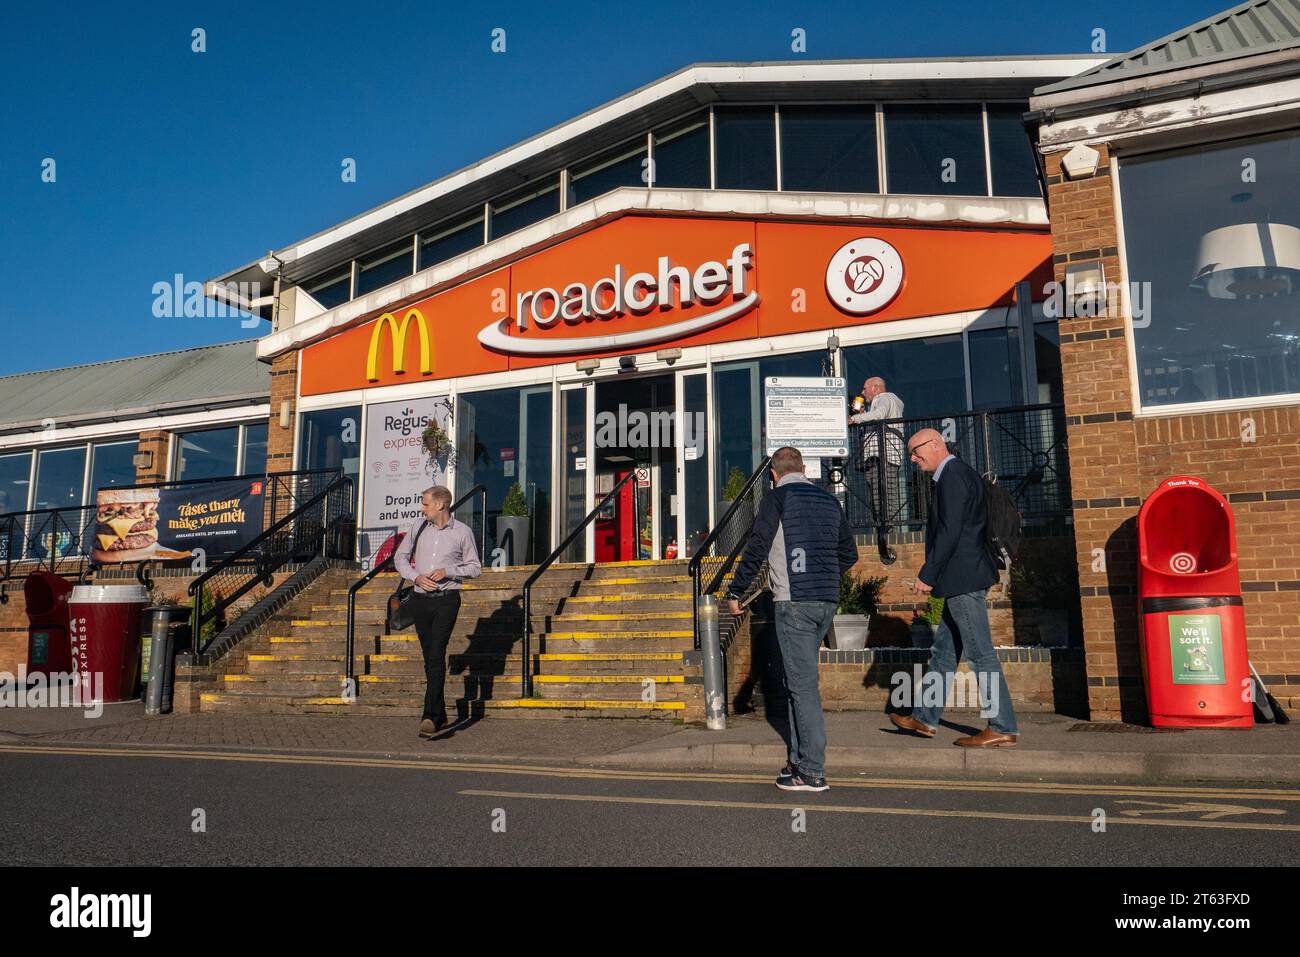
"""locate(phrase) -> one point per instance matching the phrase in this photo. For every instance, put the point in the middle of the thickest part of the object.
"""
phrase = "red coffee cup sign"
(105, 636)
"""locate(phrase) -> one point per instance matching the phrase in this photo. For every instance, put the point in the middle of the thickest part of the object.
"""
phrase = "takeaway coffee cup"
(105, 636)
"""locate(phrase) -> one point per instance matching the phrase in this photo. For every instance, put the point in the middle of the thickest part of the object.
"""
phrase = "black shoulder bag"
(401, 603)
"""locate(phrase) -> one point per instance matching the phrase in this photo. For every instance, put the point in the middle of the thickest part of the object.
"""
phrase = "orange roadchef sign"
(644, 282)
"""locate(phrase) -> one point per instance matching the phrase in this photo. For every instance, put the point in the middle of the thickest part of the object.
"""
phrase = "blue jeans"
(800, 628)
(964, 630)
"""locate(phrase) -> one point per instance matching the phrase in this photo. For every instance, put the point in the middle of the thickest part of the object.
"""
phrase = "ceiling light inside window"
(1248, 261)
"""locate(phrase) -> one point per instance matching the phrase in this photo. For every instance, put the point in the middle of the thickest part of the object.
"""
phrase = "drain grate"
(1117, 727)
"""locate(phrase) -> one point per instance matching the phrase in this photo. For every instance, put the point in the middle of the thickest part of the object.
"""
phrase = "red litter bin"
(46, 597)
(105, 625)
(1193, 638)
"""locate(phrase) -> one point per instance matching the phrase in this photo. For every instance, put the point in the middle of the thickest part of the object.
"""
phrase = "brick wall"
(1117, 460)
(284, 388)
(1041, 677)
(157, 442)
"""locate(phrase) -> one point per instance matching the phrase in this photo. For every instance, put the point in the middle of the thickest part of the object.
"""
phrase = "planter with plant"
(924, 623)
(859, 598)
(513, 526)
(731, 491)
(438, 445)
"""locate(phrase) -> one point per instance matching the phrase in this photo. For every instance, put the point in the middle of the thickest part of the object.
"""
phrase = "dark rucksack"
(1002, 535)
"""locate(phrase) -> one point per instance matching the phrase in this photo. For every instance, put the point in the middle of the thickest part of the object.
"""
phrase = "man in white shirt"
(444, 554)
(881, 406)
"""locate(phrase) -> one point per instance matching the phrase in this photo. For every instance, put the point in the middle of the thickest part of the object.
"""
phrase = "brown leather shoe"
(426, 728)
(907, 723)
(988, 738)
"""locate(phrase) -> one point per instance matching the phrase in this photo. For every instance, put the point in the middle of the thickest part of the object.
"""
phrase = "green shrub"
(933, 611)
(859, 596)
(515, 503)
(735, 484)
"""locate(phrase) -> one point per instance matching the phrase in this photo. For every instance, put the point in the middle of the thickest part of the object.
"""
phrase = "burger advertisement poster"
(218, 518)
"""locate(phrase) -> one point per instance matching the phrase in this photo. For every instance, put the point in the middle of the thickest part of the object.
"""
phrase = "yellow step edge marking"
(295, 657)
(628, 656)
(622, 616)
(580, 635)
(587, 703)
(653, 596)
(240, 678)
(327, 701)
(607, 679)
(308, 622)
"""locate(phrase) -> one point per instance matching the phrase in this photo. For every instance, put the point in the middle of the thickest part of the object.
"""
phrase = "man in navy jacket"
(958, 569)
(802, 533)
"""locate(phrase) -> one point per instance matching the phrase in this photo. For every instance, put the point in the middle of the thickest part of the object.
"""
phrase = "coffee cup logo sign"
(864, 276)
(618, 295)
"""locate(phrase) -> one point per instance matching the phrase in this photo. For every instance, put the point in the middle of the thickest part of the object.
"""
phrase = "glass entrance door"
(694, 491)
(573, 496)
(635, 430)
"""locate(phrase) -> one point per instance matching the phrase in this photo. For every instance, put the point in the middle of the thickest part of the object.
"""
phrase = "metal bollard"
(158, 697)
(715, 692)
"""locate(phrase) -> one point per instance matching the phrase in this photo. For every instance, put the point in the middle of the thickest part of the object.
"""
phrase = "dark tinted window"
(386, 266)
(525, 207)
(1047, 356)
(624, 166)
(745, 147)
(111, 464)
(935, 150)
(681, 154)
(331, 290)
(1011, 153)
(443, 243)
(15, 479)
(1213, 246)
(331, 438)
(928, 375)
(207, 454)
(829, 149)
(995, 379)
(255, 449)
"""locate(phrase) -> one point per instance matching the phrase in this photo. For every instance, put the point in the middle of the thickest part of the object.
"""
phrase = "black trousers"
(435, 617)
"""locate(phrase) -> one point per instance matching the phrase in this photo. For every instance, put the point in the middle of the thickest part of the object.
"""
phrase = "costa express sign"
(641, 283)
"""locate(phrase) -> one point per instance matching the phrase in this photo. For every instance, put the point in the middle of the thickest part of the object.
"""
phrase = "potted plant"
(514, 521)
(858, 600)
(731, 490)
(924, 624)
(438, 445)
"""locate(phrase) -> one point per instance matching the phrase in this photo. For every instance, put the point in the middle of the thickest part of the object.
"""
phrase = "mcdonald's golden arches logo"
(398, 335)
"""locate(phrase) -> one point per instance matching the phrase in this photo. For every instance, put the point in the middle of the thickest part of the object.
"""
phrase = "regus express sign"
(669, 287)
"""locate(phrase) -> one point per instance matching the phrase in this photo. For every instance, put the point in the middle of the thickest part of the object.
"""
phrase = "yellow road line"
(612, 774)
(1081, 819)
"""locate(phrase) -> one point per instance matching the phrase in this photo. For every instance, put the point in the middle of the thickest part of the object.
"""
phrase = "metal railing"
(722, 546)
(1023, 447)
(385, 565)
(321, 523)
(526, 684)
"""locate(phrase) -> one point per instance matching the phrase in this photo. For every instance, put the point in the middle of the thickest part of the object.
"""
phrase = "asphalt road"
(81, 806)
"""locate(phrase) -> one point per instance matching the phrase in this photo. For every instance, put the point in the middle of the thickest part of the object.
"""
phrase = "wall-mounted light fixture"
(1085, 283)
(143, 461)
(285, 414)
(668, 355)
(627, 363)
(587, 365)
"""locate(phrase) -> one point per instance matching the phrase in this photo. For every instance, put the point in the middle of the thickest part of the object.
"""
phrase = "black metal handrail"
(303, 531)
(526, 685)
(725, 526)
(21, 535)
(386, 564)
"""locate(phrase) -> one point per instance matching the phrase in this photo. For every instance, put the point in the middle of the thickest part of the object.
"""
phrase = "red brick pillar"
(156, 443)
(284, 388)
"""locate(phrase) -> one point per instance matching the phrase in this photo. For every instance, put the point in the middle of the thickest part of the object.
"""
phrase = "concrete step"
(218, 702)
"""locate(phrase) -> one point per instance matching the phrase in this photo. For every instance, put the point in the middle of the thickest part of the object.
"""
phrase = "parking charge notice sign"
(1196, 649)
(806, 414)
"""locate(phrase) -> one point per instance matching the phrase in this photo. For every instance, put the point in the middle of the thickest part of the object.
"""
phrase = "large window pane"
(503, 438)
(255, 449)
(1214, 264)
(207, 454)
(386, 266)
(681, 154)
(525, 207)
(995, 379)
(333, 289)
(624, 166)
(111, 465)
(926, 374)
(331, 438)
(1047, 355)
(15, 481)
(829, 149)
(441, 244)
(1011, 153)
(935, 150)
(59, 477)
(744, 147)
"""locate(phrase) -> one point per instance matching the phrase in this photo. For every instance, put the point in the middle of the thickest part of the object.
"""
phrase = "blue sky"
(170, 161)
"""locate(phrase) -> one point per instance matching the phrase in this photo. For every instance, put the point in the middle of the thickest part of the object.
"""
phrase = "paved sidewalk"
(1052, 746)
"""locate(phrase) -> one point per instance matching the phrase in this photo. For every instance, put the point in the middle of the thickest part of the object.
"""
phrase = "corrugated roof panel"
(1249, 28)
(207, 373)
